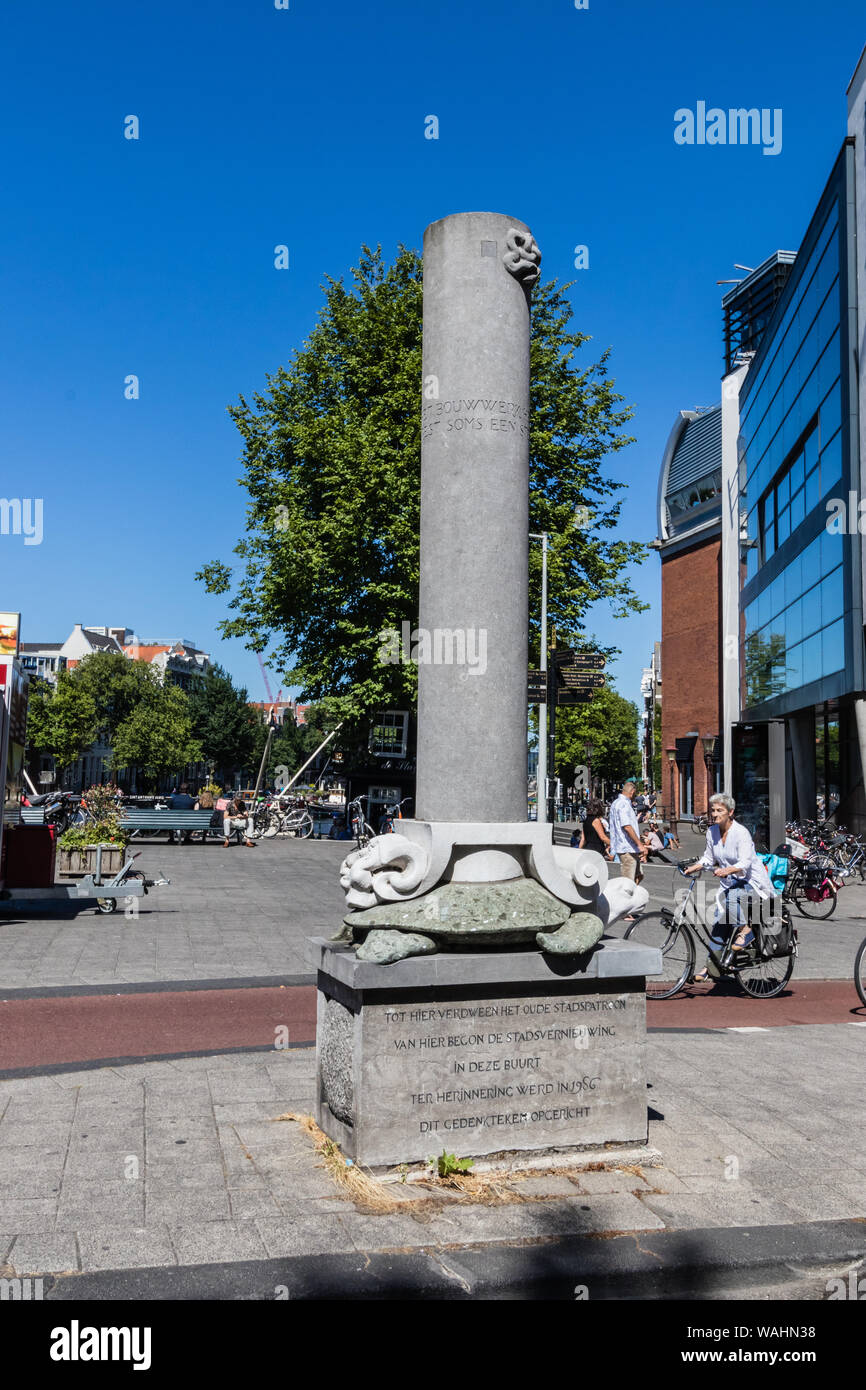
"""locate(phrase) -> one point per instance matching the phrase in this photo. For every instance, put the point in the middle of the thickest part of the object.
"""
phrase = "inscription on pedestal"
(509, 1073)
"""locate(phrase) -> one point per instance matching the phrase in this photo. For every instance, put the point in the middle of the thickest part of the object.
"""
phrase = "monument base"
(502, 1052)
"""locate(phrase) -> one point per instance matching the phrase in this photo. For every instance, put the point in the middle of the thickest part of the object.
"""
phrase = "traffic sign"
(573, 697)
(577, 679)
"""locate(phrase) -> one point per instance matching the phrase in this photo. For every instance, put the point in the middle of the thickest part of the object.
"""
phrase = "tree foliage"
(610, 723)
(157, 736)
(62, 720)
(123, 702)
(331, 453)
(223, 723)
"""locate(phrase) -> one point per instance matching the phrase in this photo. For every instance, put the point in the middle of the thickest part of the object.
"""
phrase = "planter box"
(83, 861)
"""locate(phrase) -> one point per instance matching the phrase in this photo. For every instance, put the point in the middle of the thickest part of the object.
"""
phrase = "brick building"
(690, 530)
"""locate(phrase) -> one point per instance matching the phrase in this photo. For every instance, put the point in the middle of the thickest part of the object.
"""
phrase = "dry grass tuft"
(360, 1186)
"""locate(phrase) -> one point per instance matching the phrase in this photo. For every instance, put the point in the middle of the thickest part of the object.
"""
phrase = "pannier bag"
(774, 931)
(777, 868)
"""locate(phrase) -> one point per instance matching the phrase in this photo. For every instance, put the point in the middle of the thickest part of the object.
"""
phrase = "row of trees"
(157, 729)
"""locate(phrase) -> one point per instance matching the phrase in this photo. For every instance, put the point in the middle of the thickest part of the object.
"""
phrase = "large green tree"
(332, 454)
(610, 723)
(62, 720)
(123, 702)
(156, 737)
(223, 723)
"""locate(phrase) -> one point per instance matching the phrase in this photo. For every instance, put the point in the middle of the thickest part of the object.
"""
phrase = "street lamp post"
(541, 770)
(709, 742)
(672, 756)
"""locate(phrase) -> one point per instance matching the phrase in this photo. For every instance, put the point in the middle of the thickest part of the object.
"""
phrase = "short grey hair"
(722, 799)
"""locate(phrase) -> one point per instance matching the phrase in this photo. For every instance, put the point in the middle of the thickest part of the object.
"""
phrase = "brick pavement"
(184, 1163)
(239, 914)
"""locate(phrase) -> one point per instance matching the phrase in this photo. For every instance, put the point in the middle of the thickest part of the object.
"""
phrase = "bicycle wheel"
(677, 946)
(302, 828)
(860, 971)
(766, 977)
(818, 911)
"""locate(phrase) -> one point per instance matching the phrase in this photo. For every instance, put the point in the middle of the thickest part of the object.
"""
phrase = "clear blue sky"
(306, 127)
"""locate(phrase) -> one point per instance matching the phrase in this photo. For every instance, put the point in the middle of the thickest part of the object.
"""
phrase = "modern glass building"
(801, 632)
(762, 534)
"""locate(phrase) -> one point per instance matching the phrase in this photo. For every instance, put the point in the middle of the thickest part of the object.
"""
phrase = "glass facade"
(791, 462)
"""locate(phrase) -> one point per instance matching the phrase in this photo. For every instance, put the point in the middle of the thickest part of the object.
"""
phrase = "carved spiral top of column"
(522, 258)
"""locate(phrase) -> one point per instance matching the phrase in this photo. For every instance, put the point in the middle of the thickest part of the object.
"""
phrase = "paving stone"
(30, 1214)
(301, 1233)
(125, 1247)
(217, 1242)
(554, 1186)
(685, 1210)
(611, 1181)
(188, 1204)
(44, 1254)
(247, 1203)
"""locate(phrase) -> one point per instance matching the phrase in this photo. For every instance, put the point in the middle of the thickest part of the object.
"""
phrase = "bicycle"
(860, 971)
(759, 972)
(811, 883)
(362, 830)
(393, 813)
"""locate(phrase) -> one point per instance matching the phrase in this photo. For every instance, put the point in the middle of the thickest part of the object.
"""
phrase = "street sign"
(573, 697)
(537, 688)
(589, 661)
(560, 655)
(577, 679)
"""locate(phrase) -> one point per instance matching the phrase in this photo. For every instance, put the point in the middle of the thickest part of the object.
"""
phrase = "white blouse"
(738, 850)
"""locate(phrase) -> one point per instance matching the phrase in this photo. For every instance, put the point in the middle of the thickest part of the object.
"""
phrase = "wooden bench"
(142, 823)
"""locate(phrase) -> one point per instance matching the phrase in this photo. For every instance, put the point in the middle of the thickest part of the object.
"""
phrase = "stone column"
(478, 271)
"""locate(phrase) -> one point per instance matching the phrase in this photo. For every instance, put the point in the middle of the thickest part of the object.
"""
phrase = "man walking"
(625, 836)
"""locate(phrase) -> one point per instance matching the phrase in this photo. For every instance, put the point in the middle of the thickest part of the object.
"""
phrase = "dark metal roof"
(699, 451)
(41, 646)
(97, 639)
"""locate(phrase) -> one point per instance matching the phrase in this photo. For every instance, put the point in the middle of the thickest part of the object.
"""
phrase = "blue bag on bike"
(777, 868)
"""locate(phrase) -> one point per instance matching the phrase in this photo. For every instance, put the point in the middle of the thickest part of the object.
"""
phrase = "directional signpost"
(537, 687)
(572, 679)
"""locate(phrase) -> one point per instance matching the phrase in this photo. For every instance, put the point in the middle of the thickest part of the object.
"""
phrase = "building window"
(687, 789)
(389, 735)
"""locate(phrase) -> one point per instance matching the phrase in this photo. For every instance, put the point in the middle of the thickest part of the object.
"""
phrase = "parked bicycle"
(362, 830)
(283, 816)
(392, 814)
(762, 968)
(860, 971)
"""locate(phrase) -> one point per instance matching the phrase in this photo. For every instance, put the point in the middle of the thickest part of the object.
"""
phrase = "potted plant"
(99, 824)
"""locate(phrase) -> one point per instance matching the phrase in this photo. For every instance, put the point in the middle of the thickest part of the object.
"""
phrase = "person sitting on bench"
(235, 818)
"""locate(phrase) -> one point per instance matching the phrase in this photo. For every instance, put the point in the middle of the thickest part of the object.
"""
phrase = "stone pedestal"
(482, 1054)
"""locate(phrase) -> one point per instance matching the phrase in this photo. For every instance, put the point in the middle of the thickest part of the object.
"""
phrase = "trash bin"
(28, 856)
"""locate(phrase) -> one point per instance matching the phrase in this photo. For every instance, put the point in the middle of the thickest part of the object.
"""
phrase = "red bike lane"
(62, 1030)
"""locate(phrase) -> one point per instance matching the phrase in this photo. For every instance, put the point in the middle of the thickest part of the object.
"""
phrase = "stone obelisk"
(478, 272)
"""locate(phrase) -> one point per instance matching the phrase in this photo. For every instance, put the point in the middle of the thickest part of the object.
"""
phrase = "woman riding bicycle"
(731, 855)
